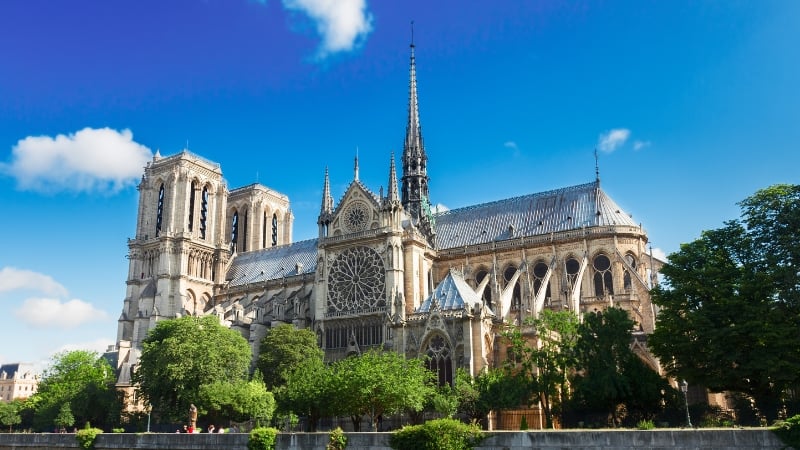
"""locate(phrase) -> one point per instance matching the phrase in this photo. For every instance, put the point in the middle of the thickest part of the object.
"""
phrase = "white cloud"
(638, 145)
(13, 279)
(513, 147)
(343, 24)
(48, 312)
(613, 139)
(659, 254)
(88, 160)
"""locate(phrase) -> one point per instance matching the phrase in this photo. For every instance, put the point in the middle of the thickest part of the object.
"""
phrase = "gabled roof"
(569, 208)
(451, 293)
(273, 263)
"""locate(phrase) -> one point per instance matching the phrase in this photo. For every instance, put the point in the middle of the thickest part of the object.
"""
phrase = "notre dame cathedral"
(386, 270)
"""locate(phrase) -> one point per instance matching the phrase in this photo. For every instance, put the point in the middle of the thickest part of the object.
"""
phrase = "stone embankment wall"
(749, 439)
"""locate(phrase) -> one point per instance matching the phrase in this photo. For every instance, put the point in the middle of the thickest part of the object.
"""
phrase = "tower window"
(603, 280)
(440, 360)
(234, 231)
(244, 233)
(203, 213)
(274, 230)
(626, 277)
(264, 231)
(191, 205)
(160, 210)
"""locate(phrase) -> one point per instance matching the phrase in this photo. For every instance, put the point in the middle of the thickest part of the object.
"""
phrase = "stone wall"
(749, 439)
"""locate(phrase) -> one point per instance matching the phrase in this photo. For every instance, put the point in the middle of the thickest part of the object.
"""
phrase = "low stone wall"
(707, 439)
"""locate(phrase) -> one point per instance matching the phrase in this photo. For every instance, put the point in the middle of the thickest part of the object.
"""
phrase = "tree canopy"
(239, 400)
(282, 350)
(10, 414)
(81, 379)
(730, 307)
(181, 355)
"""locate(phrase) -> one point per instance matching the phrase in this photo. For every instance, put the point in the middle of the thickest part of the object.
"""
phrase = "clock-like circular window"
(356, 217)
(356, 280)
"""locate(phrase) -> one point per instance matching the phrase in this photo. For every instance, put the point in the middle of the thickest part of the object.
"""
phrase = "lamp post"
(685, 389)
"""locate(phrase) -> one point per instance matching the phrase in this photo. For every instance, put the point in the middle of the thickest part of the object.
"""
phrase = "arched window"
(539, 272)
(191, 205)
(439, 359)
(160, 210)
(264, 231)
(626, 277)
(274, 230)
(487, 292)
(516, 297)
(203, 213)
(572, 267)
(244, 233)
(234, 231)
(603, 280)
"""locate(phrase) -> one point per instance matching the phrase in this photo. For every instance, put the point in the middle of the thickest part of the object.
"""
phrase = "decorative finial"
(412, 33)
(596, 167)
(355, 166)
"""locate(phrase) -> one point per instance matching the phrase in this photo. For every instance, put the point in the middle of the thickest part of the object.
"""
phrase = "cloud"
(13, 279)
(613, 139)
(343, 24)
(89, 160)
(659, 254)
(513, 146)
(638, 145)
(48, 312)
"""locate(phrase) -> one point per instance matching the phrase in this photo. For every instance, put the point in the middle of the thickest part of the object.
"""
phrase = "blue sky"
(693, 105)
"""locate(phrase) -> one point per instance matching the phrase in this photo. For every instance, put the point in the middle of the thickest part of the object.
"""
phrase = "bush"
(523, 424)
(645, 425)
(86, 437)
(440, 434)
(118, 430)
(789, 431)
(338, 440)
(262, 438)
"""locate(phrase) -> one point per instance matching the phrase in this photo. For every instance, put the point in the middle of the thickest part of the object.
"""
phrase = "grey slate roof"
(535, 214)
(273, 263)
(451, 293)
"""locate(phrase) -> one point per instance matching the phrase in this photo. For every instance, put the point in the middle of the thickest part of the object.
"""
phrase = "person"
(221, 430)
(185, 429)
(211, 428)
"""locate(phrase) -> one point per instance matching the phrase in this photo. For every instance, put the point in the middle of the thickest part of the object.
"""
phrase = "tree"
(309, 391)
(545, 365)
(490, 390)
(64, 418)
(181, 355)
(284, 348)
(377, 383)
(728, 317)
(9, 414)
(80, 378)
(610, 377)
(238, 400)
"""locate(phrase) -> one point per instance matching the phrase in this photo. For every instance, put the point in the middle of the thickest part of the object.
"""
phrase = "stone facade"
(17, 381)
(386, 270)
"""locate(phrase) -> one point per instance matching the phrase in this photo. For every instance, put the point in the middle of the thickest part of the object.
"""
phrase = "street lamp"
(685, 389)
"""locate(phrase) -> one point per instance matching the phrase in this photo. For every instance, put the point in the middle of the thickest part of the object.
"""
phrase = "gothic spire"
(355, 166)
(393, 194)
(415, 174)
(327, 200)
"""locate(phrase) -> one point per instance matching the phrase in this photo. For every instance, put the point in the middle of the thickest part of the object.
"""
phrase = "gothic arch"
(602, 274)
(438, 353)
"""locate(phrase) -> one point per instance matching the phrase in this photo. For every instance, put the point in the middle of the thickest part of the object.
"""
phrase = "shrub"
(262, 438)
(338, 440)
(523, 424)
(440, 434)
(118, 430)
(789, 431)
(86, 437)
(645, 425)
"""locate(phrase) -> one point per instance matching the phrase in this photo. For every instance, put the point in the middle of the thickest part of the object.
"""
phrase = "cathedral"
(386, 270)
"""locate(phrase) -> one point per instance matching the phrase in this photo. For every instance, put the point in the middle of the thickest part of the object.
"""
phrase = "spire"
(355, 167)
(596, 168)
(327, 200)
(415, 175)
(394, 196)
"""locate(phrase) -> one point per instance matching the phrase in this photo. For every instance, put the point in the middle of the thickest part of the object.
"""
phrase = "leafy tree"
(80, 378)
(489, 390)
(9, 414)
(284, 348)
(545, 366)
(377, 383)
(309, 391)
(181, 355)
(64, 418)
(610, 378)
(238, 400)
(730, 311)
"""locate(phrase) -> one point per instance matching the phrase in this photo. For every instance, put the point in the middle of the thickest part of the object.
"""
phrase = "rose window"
(357, 281)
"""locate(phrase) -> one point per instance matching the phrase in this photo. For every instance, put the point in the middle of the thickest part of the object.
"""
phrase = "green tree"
(728, 317)
(491, 389)
(9, 414)
(545, 363)
(284, 348)
(377, 383)
(84, 380)
(309, 391)
(64, 418)
(181, 355)
(238, 400)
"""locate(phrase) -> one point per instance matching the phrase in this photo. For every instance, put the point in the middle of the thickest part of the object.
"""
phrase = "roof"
(574, 207)
(452, 292)
(273, 263)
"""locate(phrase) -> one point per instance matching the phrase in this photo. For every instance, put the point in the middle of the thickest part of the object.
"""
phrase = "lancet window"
(192, 195)
(160, 210)
(234, 231)
(274, 230)
(440, 359)
(203, 213)
(244, 231)
(603, 279)
(264, 231)
(626, 276)
(572, 267)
